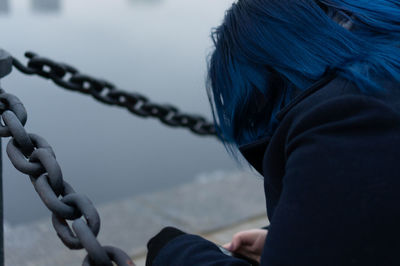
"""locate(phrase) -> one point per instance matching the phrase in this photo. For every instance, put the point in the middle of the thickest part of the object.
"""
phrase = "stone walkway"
(215, 205)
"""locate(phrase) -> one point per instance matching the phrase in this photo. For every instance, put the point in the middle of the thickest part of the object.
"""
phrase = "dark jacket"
(332, 183)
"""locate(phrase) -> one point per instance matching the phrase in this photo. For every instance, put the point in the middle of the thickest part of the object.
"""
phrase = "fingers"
(227, 246)
(258, 245)
(249, 243)
(247, 238)
(246, 252)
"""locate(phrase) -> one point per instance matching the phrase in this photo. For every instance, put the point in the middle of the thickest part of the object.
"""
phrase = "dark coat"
(332, 183)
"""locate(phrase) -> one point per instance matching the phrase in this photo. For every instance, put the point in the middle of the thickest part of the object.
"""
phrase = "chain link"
(32, 155)
(70, 78)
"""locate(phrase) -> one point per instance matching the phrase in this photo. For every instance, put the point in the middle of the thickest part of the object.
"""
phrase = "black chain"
(70, 78)
(32, 155)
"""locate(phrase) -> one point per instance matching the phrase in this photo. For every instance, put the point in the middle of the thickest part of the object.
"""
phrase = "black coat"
(332, 183)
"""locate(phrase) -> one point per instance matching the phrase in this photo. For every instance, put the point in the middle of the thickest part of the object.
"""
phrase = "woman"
(309, 93)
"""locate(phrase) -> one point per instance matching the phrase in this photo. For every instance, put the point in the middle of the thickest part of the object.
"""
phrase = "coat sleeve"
(339, 199)
(194, 250)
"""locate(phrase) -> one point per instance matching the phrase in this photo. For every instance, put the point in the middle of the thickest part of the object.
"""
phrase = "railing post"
(5, 69)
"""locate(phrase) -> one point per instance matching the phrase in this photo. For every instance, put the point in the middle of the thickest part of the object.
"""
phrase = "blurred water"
(155, 47)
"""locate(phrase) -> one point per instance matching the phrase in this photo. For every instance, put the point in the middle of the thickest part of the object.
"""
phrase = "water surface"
(155, 47)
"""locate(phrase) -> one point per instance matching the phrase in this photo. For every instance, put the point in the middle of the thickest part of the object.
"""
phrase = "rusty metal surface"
(5, 63)
(33, 156)
(70, 78)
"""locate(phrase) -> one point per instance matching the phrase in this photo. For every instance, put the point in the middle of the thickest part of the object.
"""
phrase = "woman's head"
(265, 50)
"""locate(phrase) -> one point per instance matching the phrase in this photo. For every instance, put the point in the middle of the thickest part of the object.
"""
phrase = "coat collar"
(254, 151)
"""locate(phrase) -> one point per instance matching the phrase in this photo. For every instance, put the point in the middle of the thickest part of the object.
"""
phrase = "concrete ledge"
(210, 204)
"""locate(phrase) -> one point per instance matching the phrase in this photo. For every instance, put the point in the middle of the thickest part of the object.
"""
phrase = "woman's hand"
(249, 243)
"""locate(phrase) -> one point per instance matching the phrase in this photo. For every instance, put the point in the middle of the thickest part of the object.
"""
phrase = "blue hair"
(266, 51)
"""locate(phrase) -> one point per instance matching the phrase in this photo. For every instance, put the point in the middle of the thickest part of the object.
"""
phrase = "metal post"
(5, 69)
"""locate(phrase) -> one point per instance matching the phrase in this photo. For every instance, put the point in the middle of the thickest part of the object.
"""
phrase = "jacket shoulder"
(334, 85)
(329, 85)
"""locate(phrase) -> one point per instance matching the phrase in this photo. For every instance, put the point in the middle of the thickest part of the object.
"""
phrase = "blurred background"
(155, 47)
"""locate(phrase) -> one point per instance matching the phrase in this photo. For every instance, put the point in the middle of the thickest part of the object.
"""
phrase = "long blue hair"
(266, 51)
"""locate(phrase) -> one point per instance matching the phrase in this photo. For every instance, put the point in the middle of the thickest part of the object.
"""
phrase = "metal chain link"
(70, 78)
(32, 155)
